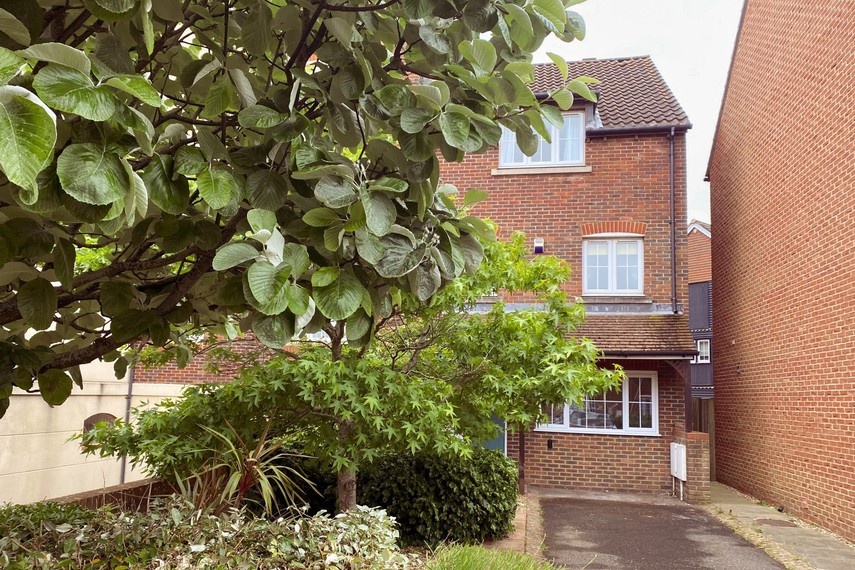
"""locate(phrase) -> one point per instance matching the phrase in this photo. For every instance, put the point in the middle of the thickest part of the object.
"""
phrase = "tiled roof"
(635, 335)
(632, 93)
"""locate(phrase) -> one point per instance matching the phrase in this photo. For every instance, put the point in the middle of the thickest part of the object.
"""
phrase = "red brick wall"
(700, 257)
(629, 181)
(197, 370)
(783, 209)
(608, 462)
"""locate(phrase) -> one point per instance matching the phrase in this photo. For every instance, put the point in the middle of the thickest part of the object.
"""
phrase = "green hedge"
(435, 499)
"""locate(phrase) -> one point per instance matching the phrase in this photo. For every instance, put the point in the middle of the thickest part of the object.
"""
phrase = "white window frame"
(509, 138)
(700, 358)
(613, 240)
(652, 431)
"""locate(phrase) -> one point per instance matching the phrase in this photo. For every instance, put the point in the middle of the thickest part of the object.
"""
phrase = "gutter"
(680, 355)
(646, 129)
(673, 225)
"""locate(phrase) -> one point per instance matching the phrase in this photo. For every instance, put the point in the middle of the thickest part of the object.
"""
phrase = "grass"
(480, 558)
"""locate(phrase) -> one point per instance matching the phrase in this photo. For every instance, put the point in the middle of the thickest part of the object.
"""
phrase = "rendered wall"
(37, 461)
(783, 208)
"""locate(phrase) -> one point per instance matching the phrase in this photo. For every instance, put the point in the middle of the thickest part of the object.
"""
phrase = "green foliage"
(176, 535)
(444, 498)
(153, 127)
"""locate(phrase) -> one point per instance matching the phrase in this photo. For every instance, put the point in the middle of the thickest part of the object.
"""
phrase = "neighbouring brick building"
(609, 196)
(782, 174)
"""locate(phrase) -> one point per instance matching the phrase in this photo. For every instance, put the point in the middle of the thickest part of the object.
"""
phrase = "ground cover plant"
(177, 535)
(479, 558)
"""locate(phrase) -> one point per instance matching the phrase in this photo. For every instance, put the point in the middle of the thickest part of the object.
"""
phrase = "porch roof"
(656, 335)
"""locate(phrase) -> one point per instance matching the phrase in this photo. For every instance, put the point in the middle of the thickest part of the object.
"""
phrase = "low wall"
(696, 489)
(134, 496)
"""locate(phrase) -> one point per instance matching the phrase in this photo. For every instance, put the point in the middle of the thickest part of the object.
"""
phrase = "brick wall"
(783, 209)
(197, 369)
(629, 181)
(696, 488)
(699, 249)
(608, 462)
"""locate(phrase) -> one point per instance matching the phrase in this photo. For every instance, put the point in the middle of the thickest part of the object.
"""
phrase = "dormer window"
(566, 148)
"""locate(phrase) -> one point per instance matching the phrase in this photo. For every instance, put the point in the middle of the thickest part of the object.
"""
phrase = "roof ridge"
(584, 59)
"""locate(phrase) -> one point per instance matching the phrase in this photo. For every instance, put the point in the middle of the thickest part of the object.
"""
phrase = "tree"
(433, 380)
(174, 165)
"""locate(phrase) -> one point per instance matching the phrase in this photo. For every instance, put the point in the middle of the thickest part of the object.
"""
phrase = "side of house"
(608, 195)
(782, 173)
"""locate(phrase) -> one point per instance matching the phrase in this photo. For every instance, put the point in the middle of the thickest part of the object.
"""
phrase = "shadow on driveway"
(596, 535)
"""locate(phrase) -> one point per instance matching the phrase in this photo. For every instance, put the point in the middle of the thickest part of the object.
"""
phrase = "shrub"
(176, 535)
(438, 498)
(479, 558)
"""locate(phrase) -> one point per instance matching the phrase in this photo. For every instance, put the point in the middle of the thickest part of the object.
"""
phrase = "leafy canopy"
(264, 164)
(431, 382)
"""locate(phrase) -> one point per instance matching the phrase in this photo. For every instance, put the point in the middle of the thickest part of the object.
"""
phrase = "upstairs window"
(633, 409)
(613, 266)
(567, 146)
(703, 352)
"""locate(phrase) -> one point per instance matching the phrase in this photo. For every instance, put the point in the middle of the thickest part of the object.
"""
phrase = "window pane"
(571, 137)
(614, 409)
(596, 414)
(597, 265)
(626, 265)
(507, 144)
(554, 413)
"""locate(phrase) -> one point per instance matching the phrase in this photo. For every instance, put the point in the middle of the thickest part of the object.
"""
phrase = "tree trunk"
(346, 489)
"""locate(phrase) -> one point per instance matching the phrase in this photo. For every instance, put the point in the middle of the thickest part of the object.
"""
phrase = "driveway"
(600, 534)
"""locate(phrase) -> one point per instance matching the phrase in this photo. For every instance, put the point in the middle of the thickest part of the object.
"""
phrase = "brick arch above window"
(614, 227)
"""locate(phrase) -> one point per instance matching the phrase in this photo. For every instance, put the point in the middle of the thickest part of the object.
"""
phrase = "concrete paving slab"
(789, 539)
(642, 534)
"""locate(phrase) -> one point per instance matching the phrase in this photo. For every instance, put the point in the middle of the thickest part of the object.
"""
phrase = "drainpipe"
(673, 228)
(128, 397)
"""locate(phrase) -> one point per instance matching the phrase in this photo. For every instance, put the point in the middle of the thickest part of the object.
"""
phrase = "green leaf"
(91, 174)
(425, 281)
(260, 219)
(233, 254)
(256, 30)
(560, 63)
(324, 276)
(220, 97)
(473, 196)
(71, 91)
(217, 187)
(389, 184)
(10, 65)
(400, 256)
(341, 298)
(27, 136)
(369, 247)
(335, 191)
(137, 86)
(455, 128)
(260, 117)
(111, 51)
(563, 98)
(266, 189)
(54, 386)
(480, 15)
(37, 303)
(380, 212)
(62, 54)
(116, 298)
(167, 191)
(298, 298)
(578, 87)
(132, 324)
(481, 53)
(12, 27)
(262, 279)
(551, 13)
(168, 10)
(273, 331)
(321, 217)
(473, 253)
(413, 119)
(297, 258)
(357, 325)
(553, 115)
(64, 255)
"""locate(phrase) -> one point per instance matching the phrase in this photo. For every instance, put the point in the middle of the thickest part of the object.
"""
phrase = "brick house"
(609, 196)
(782, 175)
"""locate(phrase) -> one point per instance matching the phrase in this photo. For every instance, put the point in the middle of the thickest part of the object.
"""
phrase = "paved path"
(640, 535)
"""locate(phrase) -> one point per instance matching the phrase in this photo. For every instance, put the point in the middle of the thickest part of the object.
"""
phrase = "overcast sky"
(690, 41)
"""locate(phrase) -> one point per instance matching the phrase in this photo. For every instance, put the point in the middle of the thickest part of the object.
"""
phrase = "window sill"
(550, 429)
(540, 170)
(621, 298)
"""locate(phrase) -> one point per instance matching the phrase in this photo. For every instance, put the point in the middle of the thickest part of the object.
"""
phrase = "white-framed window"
(566, 146)
(703, 357)
(613, 266)
(631, 410)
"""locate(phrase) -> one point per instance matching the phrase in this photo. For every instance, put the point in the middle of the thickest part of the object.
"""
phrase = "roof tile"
(637, 334)
(632, 93)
